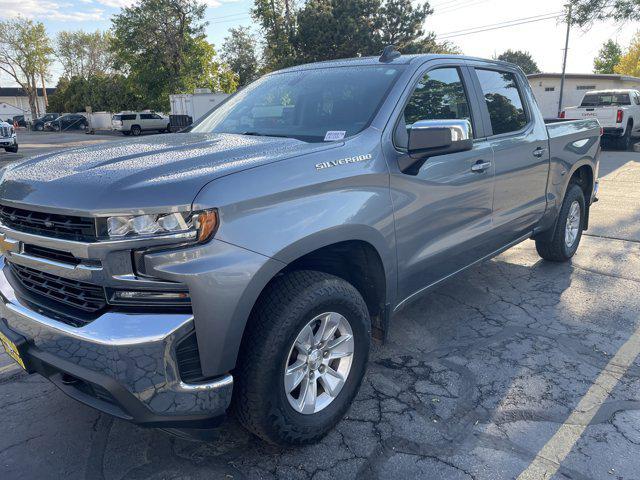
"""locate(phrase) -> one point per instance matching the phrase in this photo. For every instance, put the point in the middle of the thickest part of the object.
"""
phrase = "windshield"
(606, 100)
(312, 105)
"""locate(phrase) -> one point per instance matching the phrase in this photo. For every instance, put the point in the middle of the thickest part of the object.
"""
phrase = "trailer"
(188, 108)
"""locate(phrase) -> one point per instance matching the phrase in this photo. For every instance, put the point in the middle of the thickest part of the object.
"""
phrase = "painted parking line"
(548, 460)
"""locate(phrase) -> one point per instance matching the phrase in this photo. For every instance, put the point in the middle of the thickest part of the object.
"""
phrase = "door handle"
(538, 152)
(480, 166)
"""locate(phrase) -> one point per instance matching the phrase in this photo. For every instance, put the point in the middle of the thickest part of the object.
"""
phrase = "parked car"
(70, 121)
(618, 111)
(39, 123)
(252, 259)
(20, 120)
(8, 137)
(134, 123)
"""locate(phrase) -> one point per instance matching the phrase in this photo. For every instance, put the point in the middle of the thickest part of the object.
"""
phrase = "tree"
(104, 92)
(523, 59)
(239, 53)
(277, 19)
(629, 63)
(84, 54)
(608, 57)
(162, 46)
(26, 56)
(330, 29)
(585, 12)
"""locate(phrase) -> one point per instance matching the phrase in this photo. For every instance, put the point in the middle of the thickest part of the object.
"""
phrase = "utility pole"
(564, 63)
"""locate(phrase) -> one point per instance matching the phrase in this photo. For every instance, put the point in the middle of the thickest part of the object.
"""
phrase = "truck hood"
(148, 174)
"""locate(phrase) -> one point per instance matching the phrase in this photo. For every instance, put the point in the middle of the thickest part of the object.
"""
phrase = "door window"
(439, 95)
(504, 101)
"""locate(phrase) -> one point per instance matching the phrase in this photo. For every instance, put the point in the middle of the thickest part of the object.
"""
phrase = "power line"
(505, 22)
(453, 8)
(482, 29)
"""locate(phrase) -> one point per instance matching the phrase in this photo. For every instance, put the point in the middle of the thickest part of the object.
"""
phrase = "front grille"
(50, 254)
(49, 224)
(5, 132)
(82, 296)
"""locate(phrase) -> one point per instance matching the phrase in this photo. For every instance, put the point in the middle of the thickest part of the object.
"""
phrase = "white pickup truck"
(617, 110)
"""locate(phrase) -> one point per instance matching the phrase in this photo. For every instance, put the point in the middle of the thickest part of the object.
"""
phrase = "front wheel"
(302, 359)
(565, 240)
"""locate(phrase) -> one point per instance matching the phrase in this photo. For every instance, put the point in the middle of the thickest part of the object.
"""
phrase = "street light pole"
(564, 62)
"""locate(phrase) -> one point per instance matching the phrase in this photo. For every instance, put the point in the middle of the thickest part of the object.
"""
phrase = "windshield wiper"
(258, 134)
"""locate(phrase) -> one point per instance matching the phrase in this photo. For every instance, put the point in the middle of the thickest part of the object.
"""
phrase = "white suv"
(134, 123)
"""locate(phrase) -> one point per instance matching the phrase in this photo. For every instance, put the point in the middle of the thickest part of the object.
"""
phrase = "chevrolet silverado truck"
(618, 112)
(247, 264)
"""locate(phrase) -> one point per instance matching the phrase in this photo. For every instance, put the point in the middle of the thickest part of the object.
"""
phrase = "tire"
(136, 130)
(282, 314)
(168, 129)
(557, 248)
(39, 127)
(624, 142)
(13, 149)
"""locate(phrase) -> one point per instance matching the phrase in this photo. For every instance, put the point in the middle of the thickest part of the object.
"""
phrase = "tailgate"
(605, 115)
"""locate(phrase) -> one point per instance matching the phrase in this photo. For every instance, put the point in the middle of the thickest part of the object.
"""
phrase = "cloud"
(128, 3)
(49, 10)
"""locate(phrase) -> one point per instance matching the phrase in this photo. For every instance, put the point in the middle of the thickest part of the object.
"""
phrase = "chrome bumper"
(132, 356)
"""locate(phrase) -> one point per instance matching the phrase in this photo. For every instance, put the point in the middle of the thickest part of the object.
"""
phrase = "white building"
(546, 88)
(17, 101)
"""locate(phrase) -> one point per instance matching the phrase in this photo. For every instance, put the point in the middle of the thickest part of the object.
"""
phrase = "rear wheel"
(136, 130)
(624, 142)
(302, 359)
(565, 240)
(39, 127)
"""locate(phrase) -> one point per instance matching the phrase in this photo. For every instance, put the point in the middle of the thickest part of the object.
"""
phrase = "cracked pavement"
(476, 378)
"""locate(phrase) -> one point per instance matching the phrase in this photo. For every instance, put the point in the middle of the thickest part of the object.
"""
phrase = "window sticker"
(333, 135)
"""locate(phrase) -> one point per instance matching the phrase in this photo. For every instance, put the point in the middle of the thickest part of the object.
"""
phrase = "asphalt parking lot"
(517, 368)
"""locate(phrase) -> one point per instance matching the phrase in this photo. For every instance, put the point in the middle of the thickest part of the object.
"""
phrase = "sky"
(543, 39)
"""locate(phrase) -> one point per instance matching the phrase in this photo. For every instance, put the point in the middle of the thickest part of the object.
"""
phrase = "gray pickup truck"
(247, 264)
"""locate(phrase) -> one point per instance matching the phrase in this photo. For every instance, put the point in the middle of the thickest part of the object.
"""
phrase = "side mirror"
(439, 137)
(429, 138)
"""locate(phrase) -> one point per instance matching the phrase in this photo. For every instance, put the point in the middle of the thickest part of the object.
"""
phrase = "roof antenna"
(389, 54)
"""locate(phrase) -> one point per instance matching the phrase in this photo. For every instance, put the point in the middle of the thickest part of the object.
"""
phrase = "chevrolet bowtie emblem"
(8, 245)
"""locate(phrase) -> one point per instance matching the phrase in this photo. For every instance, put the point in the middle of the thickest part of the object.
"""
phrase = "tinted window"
(504, 101)
(605, 99)
(439, 95)
(146, 116)
(305, 104)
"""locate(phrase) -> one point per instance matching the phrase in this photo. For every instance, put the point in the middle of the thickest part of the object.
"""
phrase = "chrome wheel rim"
(319, 363)
(573, 224)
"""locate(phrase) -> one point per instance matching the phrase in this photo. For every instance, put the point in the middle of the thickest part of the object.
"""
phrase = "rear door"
(518, 136)
(443, 208)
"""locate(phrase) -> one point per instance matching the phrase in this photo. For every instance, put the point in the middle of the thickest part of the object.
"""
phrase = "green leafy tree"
(277, 19)
(585, 12)
(523, 59)
(84, 54)
(608, 57)
(103, 92)
(161, 45)
(26, 56)
(239, 52)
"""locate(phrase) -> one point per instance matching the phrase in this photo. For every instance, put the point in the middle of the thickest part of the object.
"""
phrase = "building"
(546, 88)
(13, 99)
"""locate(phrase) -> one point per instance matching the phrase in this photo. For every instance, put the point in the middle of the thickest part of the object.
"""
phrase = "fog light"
(149, 298)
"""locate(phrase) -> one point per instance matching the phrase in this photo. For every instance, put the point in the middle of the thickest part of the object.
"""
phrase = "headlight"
(201, 224)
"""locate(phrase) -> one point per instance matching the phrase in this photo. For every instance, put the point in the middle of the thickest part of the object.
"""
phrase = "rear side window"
(504, 101)
(605, 99)
(146, 116)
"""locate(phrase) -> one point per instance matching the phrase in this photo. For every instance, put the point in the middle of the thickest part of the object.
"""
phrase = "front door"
(443, 208)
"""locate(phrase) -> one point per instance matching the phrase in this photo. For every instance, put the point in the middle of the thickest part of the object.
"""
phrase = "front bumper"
(8, 141)
(121, 363)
